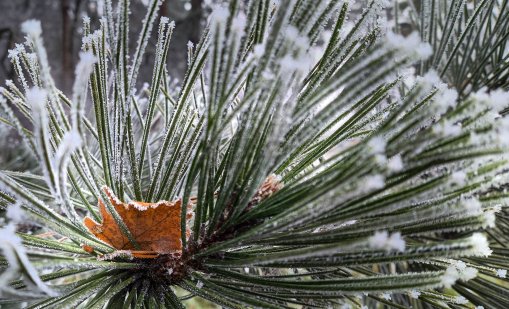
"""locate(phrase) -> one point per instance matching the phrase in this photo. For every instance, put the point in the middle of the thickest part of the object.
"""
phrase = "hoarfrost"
(415, 294)
(374, 182)
(501, 273)
(32, 28)
(450, 276)
(410, 45)
(459, 178)
(480, 245)
(460, 300)
(395, 164)
(382, 240)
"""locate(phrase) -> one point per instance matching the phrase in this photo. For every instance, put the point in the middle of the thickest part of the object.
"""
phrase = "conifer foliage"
(299, 164)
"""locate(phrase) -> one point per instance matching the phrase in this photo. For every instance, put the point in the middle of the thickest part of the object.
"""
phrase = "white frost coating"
(377, 145)
(410, 45)
(458, 178)
(450, 276)
(386, 296)
(460, 300)
(14, 253)
(479, 307)
(125, 254)
(374, 182)
(87, 59)
(70, 142)
(396, 242)
(480, 245)
(431, 80)
(472, 205)
(83, 70)
(489, 219)
(496, 99)
(382, 240)
(501, 273)
(380, 159)
(239, 22)
(465, 273)
(395, 164)
(258, 50)
(502, 125)
(14, 212)
(32, 28)
(36, 99)
(468, 273)
(199, 284)
(460, 265)
(384, 3)
(499, 99)
(415, 294)
(446, 128)
(291, 33)
(289, 64)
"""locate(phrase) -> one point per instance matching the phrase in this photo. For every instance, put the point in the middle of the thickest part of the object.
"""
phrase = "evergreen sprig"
(318, 177)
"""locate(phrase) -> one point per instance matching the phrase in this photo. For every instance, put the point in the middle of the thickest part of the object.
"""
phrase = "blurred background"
(62, 22)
